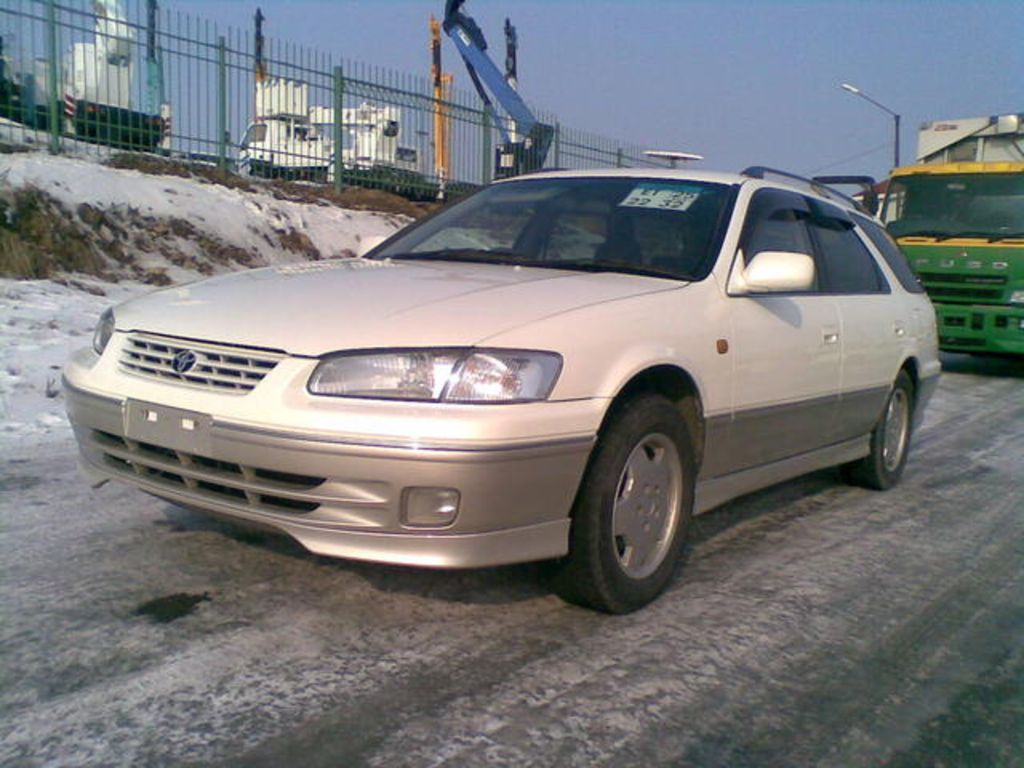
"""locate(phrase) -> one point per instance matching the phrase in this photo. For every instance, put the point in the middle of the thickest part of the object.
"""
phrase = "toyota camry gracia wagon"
(563, 366)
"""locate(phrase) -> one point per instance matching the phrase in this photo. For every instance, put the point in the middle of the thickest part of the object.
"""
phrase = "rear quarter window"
(892, 254)
(848, 266)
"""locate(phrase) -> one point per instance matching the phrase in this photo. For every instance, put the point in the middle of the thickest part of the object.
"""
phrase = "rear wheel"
(632, 510)
(890, 441)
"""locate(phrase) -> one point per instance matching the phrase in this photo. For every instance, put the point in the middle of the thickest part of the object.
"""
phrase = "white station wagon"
(563, 366)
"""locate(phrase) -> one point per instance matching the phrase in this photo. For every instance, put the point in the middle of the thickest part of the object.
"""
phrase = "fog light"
(429, 507)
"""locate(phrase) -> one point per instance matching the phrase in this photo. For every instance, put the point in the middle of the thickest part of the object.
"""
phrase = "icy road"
(814, 624)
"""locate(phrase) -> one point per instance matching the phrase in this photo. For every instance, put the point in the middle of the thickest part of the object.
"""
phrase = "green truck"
(958, 215)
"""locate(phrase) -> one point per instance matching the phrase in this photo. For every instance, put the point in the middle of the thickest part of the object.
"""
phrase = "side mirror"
(779, 272)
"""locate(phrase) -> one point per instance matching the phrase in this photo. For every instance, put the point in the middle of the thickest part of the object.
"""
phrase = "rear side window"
(892, 254)
(848, 265)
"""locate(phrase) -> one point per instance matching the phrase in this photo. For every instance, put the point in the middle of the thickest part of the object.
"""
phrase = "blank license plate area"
(172, 428)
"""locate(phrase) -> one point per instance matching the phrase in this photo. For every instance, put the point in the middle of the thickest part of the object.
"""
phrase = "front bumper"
(980, 328)
(335, 497)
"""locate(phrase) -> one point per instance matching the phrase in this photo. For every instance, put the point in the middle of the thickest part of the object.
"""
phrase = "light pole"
(895, 117)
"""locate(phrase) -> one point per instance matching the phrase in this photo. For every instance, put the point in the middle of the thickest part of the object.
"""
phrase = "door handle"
(830, 337)
(899, 329)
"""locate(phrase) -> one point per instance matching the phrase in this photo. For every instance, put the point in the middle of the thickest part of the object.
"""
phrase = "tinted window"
(847, 264)
(577, 235)
(776, 221)
(956, 204)
(664, 227)
(892, 254)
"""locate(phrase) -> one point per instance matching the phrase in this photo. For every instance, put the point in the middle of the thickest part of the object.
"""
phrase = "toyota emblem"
(184, 361)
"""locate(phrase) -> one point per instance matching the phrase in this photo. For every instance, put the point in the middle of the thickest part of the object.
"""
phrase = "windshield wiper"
(976, 234)
(468, 255)
(990, 236)
(937, 233)
(614, 266)
(508, 257)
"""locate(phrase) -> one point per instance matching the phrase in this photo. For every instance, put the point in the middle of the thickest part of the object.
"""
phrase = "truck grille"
(243, 487)
(947, 342)
(953, 292)
(942, 277)
(209, 366)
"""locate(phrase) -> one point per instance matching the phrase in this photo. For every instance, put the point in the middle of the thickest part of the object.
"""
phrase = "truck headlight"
(104, 330)
(439, 375)
(1017, 297)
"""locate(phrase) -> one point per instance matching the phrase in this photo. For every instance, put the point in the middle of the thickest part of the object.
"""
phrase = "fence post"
(339, 103)
(52, 76)
(558, 145)
(618, 158)
(222, 105)
(488, 153)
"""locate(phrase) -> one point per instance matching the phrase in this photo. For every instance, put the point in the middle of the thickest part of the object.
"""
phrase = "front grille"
(944, 277)
(210, 366)
(942, 291)
(957, 341)
(201, 478)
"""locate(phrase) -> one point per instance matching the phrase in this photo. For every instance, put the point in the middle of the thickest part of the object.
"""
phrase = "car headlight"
(439, 375)
(104, 330)
(1017, 297)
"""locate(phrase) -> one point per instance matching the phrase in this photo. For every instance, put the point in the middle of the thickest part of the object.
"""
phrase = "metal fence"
(104, 76)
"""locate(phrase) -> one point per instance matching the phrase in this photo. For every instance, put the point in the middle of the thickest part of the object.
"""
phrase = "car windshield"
(660, 227)
(984, 205)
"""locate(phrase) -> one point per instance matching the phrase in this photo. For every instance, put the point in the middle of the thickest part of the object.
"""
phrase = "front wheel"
(890, 441)
(632, 510)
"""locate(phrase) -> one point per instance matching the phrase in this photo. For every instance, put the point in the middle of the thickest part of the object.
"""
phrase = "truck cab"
(958, 215)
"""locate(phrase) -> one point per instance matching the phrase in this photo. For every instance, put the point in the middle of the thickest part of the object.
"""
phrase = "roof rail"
(869, 196)
(761, 172)
(862, 181)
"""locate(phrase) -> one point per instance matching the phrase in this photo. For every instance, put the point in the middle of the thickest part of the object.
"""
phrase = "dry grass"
(353, 198)
(39, 238)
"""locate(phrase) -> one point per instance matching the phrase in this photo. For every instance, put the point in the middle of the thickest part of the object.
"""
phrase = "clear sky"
(740, 82)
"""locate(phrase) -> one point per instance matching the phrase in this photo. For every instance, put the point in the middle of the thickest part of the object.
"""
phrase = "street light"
(896, 118)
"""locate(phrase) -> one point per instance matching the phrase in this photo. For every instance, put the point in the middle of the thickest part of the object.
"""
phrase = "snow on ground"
(251, 221)
(43, 321)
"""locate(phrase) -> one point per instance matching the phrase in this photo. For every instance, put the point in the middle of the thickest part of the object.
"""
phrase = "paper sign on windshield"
(664, 197)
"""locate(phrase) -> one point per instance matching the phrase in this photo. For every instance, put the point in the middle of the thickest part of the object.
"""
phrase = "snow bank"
(252, 221)
(43, 321)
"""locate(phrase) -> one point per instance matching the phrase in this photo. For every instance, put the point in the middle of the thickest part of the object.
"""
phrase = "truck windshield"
(985, 205)
(662, 227)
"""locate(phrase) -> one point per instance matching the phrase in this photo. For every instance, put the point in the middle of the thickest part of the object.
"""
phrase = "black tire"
(646, 439)
(882, 468)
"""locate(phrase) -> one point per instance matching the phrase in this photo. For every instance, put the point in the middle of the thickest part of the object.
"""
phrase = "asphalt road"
(813, 624)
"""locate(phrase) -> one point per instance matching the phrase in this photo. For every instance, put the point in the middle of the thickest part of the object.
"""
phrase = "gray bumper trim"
(345, 500)
(259, 433)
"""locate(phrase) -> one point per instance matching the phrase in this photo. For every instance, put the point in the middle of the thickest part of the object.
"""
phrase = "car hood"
(320, 307)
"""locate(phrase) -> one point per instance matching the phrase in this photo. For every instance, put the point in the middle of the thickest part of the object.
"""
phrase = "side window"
(892, 254)
(256, 134)
(847, 264)
(776, 221)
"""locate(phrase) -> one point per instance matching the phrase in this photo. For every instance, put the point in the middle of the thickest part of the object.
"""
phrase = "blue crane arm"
(472, 46)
